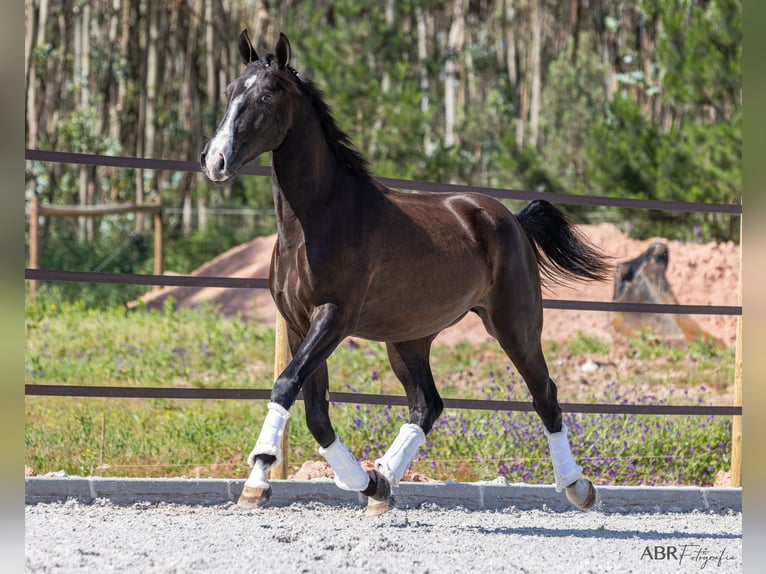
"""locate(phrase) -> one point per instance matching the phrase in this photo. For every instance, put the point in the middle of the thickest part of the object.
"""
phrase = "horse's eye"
(266, 98)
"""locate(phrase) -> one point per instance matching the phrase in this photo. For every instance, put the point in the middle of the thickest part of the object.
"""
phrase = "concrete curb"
(468, 495)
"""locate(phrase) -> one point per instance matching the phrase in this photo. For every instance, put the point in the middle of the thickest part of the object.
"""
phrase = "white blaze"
(221, 141)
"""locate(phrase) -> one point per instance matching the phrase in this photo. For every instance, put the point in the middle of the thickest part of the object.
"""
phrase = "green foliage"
(187, 252)
(622, 147)
(631, 157)
(118, 250)
(650, 346)
(580, 344)
(574, 101)
(659, 119)
(107, 346)
(700, 53)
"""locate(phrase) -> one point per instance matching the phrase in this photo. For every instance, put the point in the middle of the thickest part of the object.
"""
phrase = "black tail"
(559, 249)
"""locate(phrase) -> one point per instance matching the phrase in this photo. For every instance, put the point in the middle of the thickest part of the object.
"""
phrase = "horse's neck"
(310, 184)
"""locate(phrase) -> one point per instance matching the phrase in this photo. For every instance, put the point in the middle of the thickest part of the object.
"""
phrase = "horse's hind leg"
(517, 325)
(410, 363)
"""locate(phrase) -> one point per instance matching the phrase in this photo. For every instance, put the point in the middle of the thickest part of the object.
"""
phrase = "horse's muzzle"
(215, 167)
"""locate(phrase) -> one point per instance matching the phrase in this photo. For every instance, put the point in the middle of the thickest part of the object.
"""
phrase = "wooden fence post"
(34, 242)
(281, 358)
(736, 426)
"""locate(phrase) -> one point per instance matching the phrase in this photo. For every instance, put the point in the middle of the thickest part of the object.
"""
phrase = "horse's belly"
(391, 331)
(404, 314)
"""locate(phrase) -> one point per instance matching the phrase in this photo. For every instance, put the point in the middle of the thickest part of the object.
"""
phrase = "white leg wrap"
(565, 470)
(349, 475)
(258, 477)
(398, 457)
(271, 434)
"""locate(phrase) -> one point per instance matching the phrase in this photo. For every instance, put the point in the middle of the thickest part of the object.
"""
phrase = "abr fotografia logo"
(696, 553)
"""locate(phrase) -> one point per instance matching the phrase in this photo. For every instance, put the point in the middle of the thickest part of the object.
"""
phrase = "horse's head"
(258, 111)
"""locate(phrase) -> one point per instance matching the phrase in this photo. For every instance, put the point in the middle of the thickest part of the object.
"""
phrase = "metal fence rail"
(368, 399)
(411, 185)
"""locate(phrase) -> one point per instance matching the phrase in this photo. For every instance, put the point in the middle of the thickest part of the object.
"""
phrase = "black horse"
(354, 258)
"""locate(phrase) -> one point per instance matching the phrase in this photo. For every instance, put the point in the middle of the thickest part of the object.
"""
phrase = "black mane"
(338, 140)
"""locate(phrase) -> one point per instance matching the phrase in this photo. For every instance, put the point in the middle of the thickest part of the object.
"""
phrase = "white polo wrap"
(259, 477)
(349, 475)
(565, 470)
(271, 433)
(398, 457)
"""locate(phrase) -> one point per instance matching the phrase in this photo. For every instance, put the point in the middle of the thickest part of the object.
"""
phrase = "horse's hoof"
(253, 497)
(582, 494)
(379, 494)
(378, 507)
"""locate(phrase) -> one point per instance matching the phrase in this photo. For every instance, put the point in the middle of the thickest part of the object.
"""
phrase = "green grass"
(68, 344)
(580, 344)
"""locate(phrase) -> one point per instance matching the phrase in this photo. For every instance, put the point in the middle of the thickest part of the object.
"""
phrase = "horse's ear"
(283, 51)
(246, 50)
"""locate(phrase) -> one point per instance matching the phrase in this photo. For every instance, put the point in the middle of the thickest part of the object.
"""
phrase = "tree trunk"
(451, 84)
(534, 106)
(116, 111)
(186, 214)
(422, 27)
(80, 80)
(575, 27)
(385, 82)
(148, 105)
(29, 36)
(261, 22)
(87, 188)
(192, 112)
(33, 125)
(152, 78)
(213, 92)
(512, 69)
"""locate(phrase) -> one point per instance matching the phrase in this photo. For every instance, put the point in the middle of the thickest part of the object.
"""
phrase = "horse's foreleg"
(323, 336)
(265, 453)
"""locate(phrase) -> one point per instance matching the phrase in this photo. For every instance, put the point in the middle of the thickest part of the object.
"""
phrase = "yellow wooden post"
(281, 358)
(34, 241)
(736, 427)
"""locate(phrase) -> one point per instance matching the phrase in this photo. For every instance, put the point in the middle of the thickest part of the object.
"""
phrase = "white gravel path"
(154, 538)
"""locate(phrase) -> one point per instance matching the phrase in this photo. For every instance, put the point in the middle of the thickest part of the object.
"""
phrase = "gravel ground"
(151, 538)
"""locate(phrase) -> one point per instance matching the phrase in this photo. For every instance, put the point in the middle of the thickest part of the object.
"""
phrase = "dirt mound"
(699, 274)
(251, 259)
